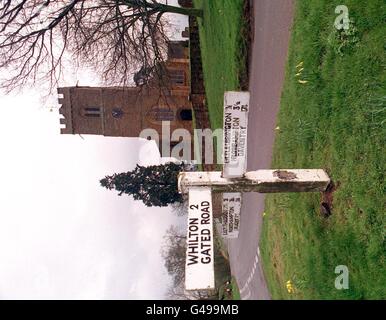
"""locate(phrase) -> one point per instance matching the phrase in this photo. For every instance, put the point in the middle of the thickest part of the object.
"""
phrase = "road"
(273, 19)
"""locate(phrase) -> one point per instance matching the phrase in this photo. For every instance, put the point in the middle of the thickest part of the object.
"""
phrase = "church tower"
(126, 111)
(122, 111)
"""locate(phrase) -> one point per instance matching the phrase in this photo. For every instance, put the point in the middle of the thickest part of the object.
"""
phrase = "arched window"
(186, 115)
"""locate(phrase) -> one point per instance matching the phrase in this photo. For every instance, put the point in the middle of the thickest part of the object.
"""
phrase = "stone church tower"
(126, 111)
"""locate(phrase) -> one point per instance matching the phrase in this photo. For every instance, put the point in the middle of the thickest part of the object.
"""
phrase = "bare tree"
(180, 208)
(114, 37)
(179, 293)
(174, 254)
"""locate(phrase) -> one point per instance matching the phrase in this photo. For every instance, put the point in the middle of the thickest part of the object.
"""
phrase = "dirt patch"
(326, 204)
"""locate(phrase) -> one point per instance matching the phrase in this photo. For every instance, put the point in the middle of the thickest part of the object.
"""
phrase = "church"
(126, 111)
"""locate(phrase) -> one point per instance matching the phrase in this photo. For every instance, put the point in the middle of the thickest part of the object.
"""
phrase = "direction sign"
(199, 270)
(230, 219)
(236, 107)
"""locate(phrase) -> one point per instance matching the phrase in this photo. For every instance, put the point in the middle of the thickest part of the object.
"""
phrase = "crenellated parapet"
(65, 110)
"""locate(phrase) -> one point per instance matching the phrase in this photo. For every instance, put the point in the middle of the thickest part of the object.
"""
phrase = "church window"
(162, 114)
(92, 112)
(186, 115)
(176, 50)
(117, 113)
(177, 76)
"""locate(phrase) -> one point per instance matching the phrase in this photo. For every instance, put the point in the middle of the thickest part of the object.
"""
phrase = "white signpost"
(236, 107)
(232, 181)
(199, 271)
(231, 215)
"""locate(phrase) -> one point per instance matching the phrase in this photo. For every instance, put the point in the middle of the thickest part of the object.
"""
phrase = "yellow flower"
(290, 288)
(298, 74)
(303, 81)
(264, 214)
(300, 65)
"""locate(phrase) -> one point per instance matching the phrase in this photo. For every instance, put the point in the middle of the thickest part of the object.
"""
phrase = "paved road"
(273, 20)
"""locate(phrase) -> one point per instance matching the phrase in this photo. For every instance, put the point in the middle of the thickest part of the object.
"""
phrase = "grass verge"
(229, 291)
(235, 290)
(332, 116)
(223, 50)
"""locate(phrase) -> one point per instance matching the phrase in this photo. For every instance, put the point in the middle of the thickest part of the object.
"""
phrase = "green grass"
(223, 51)
(235, 290)
(334, 121)
(222, 268)
(233, 295)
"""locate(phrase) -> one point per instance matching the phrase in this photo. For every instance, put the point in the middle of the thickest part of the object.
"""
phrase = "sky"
(62, 236)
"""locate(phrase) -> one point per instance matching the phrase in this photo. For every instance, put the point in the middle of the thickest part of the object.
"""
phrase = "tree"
(174, 254)
(179, 293)
(115, 37)
(154, 185)
(180, 208)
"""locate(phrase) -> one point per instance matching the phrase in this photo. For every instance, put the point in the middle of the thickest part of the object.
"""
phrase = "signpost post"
(232, 181)
(263, 181)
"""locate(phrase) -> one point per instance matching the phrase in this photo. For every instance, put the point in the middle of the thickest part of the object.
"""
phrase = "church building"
(126, 111)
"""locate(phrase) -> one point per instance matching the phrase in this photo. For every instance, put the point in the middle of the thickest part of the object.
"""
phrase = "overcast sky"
(62, 236)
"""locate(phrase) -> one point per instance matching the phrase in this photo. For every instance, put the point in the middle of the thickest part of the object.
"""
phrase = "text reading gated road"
(199, 272)
(199, 243)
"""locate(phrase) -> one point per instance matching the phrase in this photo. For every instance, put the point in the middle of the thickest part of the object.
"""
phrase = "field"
(332, 116)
